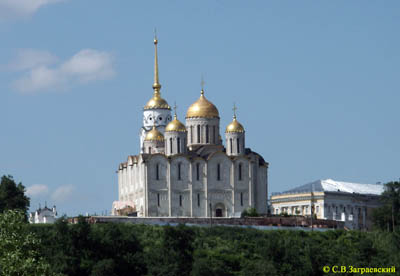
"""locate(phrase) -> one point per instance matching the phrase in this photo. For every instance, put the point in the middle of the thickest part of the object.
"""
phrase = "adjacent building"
(351, 203)
(43, 215)
(184, 169)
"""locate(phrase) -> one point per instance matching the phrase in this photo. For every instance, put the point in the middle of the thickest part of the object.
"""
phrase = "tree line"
(127, 249)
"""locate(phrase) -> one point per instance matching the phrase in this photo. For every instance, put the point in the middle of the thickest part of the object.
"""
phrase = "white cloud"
(37, 190)
(62, 193)
(21, 8)
(30, 58)
(85, 66)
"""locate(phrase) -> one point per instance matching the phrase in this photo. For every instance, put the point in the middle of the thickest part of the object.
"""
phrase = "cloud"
(22, 8)
(62, 193)
(29, 58)
(37, 190)
(85, 66)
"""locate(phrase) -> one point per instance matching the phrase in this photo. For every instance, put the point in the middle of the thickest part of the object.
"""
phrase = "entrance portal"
(218, 213)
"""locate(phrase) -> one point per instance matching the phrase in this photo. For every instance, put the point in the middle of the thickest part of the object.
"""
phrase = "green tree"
(388, 216)
(19, 254)
(12, 196)
(250, 212)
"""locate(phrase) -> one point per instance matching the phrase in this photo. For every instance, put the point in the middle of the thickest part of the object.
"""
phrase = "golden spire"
(156, 84)
(156, 102)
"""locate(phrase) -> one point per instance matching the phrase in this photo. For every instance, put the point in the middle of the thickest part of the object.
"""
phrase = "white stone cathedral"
(185, 171)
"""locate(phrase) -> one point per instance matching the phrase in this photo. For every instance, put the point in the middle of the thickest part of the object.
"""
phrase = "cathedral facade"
(185, 170)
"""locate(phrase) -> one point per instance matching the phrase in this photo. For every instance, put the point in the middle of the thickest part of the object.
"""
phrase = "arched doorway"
(219, 210)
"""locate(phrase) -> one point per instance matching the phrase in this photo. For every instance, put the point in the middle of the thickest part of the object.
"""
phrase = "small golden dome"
(175, 125)
(154, 135)
(157, 102)
(202, 108)
(235, 126)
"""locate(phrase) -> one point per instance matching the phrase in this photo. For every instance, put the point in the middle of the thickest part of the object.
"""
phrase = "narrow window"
(179, 144)
(191, 134)
(158, 200)
(214, 134)
(170, 145)
(180, 200)
(198, 134)
(237, 145)
(157, 172)
(197, 171)
(149, 149)
(230, 145)
(198, 200)
(241, 199)
(219, 172)
(179, 171)
(207, 135)
(240, 171)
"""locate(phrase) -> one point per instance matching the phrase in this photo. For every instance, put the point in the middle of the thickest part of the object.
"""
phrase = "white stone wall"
(166, 194)
(194, 134)
(171, 139)
(159, 117)
(232, 141)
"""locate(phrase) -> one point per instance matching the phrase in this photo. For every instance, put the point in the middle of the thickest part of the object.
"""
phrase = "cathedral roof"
(154, 135)
(202, 108)
(234, 126)
(175, 125)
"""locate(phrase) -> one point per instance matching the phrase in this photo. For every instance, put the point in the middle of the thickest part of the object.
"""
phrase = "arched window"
(214, 135)
(197, 171)
(230, 145)
(207, 135)
(198, 133)
(158, 200)
(241, 199)
(191, 134)
(179, 171)
(198, 200)
(170, 145)
(240, 171)
(180, 200)
(179, 144)
(157, 172)
(150, 150)
(219, 172)
(237, 145)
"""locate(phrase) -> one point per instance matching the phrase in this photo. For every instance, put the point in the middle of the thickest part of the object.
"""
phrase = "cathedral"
(184, 170)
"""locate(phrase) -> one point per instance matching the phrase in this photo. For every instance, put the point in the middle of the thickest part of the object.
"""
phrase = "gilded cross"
(234, 109)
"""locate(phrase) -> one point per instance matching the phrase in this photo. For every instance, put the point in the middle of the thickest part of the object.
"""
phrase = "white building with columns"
(185, 170)
(351, 203)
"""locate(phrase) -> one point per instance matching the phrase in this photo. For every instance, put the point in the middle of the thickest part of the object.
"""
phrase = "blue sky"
(316, 84)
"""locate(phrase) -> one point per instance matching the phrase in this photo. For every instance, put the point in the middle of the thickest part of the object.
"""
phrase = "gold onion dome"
(202, 108)
(154, 135)
(157, 102)
(235, 126)
(175, 125)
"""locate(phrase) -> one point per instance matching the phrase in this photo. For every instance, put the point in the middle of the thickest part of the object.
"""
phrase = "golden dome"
(175, 125)
(202, 108)
(154, 135)
(157, 102)
(235, 126)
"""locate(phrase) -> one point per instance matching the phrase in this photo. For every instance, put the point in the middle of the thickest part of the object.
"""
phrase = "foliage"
(12, 196)
(128, 249)
(250, 212)
(19, 248)
(383, 216)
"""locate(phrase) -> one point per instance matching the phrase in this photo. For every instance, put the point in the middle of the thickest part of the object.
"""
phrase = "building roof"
(329, 185)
